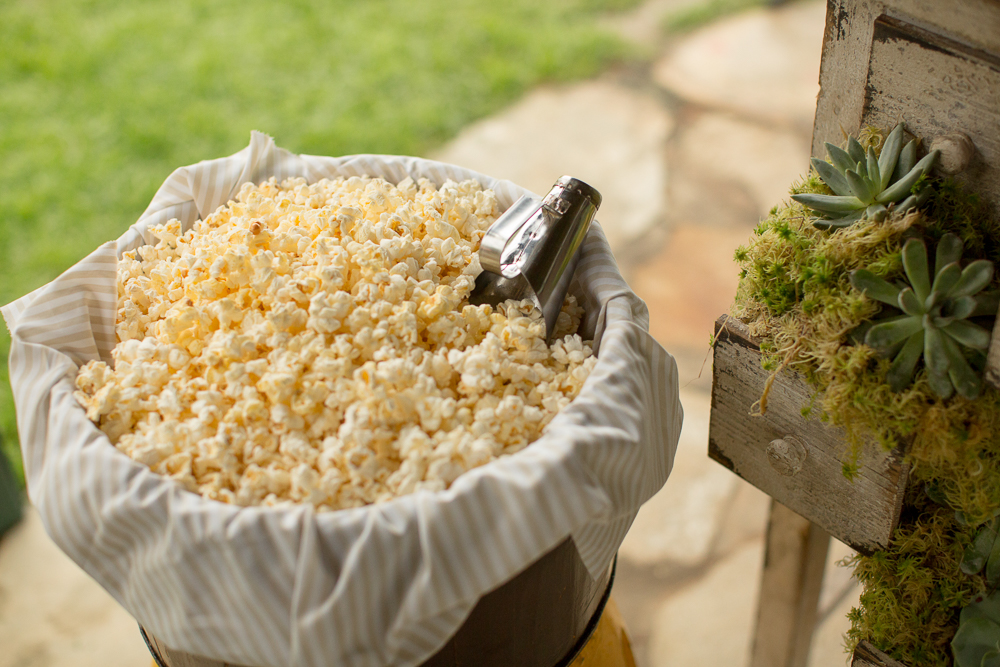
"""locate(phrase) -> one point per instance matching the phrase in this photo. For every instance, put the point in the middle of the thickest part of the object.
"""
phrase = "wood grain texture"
(790, 585)
(172, 658)
(992, 372)
(866, 655)
(797, 461)
(938, 85)
(938, 70)
(934, 66)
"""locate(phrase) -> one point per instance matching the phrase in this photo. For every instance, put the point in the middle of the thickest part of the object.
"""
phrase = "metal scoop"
(532, 250)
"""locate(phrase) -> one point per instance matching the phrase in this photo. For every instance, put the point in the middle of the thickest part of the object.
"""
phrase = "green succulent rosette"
(866, 185)
(935, 323)
(977, 642)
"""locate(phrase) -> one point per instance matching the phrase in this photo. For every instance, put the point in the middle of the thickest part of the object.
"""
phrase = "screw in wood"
(957, 151)
(786, 455)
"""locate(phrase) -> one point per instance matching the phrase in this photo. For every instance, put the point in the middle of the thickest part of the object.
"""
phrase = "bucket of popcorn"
(268, 421)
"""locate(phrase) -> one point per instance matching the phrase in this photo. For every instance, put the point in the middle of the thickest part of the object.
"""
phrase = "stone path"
(52, 614)
(599, 131)
(689, 152)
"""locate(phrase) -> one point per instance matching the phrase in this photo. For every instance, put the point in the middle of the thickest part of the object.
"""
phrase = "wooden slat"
(789, 589)
(939, 86)
(936, 69)
(866, 655)
(797, 461)
(992, 372)
(172, 658)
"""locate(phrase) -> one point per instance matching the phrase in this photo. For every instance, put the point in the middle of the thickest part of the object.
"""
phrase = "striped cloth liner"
(386, 584)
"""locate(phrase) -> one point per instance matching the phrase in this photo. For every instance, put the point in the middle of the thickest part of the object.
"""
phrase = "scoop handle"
(503, 230)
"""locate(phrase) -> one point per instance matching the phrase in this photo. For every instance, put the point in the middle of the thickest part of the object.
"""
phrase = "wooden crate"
(797, 460)
(866, 655)
(935, 66)
(938, 70)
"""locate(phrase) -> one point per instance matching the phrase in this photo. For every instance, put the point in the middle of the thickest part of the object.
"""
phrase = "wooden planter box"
(935, 66)
(866, 655)
(795, 460)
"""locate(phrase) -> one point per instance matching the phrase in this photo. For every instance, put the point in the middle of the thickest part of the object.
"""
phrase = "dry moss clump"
(796, 298)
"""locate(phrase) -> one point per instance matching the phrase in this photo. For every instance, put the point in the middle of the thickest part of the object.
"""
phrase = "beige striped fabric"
(380, 585)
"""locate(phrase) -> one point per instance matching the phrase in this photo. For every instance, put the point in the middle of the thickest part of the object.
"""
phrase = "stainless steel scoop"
(532, 250)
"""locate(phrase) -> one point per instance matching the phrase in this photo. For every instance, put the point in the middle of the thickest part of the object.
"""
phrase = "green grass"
(100, 101)
(702, 13)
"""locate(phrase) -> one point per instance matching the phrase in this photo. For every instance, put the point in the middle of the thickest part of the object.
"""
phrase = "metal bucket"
(540, 618)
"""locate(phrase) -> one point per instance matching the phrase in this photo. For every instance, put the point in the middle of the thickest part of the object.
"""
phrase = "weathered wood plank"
(910, 60)
(797, 461)
(938, 86)
(789, 589)
(866, 655)
(992, 372)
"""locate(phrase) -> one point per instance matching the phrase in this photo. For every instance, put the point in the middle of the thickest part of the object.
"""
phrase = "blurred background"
(691, 117)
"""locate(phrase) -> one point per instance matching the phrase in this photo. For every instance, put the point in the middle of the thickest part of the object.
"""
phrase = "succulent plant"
(977, 642)
(984, 552)
(935, 321)
(865, 186)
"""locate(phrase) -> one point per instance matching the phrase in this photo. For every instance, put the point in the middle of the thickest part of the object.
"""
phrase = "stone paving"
(689, 152)
(52, 614)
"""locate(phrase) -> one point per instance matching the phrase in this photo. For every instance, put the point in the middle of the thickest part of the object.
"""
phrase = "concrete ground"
(689, 152)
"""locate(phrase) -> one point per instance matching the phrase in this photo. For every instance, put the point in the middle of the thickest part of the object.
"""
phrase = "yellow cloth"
(608, 646)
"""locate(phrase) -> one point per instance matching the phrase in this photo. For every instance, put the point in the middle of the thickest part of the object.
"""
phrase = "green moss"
(795, 296)
(912, 595)
(702, 13)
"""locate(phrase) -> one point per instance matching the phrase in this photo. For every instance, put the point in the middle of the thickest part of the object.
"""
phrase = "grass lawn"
(698, 14)
(100, 101)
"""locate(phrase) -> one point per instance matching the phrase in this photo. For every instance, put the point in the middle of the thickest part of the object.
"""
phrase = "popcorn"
(313, 343)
